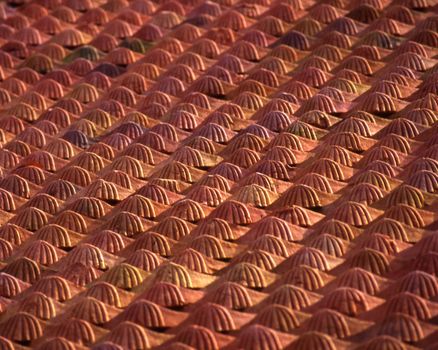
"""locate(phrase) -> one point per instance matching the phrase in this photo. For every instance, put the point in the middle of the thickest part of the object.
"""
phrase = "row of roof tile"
(205, 175)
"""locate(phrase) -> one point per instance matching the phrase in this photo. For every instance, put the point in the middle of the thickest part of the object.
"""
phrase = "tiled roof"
(196, 174)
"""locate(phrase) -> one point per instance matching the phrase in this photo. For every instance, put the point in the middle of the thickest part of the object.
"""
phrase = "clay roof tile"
(186, 132)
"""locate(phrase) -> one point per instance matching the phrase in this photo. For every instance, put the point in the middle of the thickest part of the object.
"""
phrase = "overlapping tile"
(205, 175)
